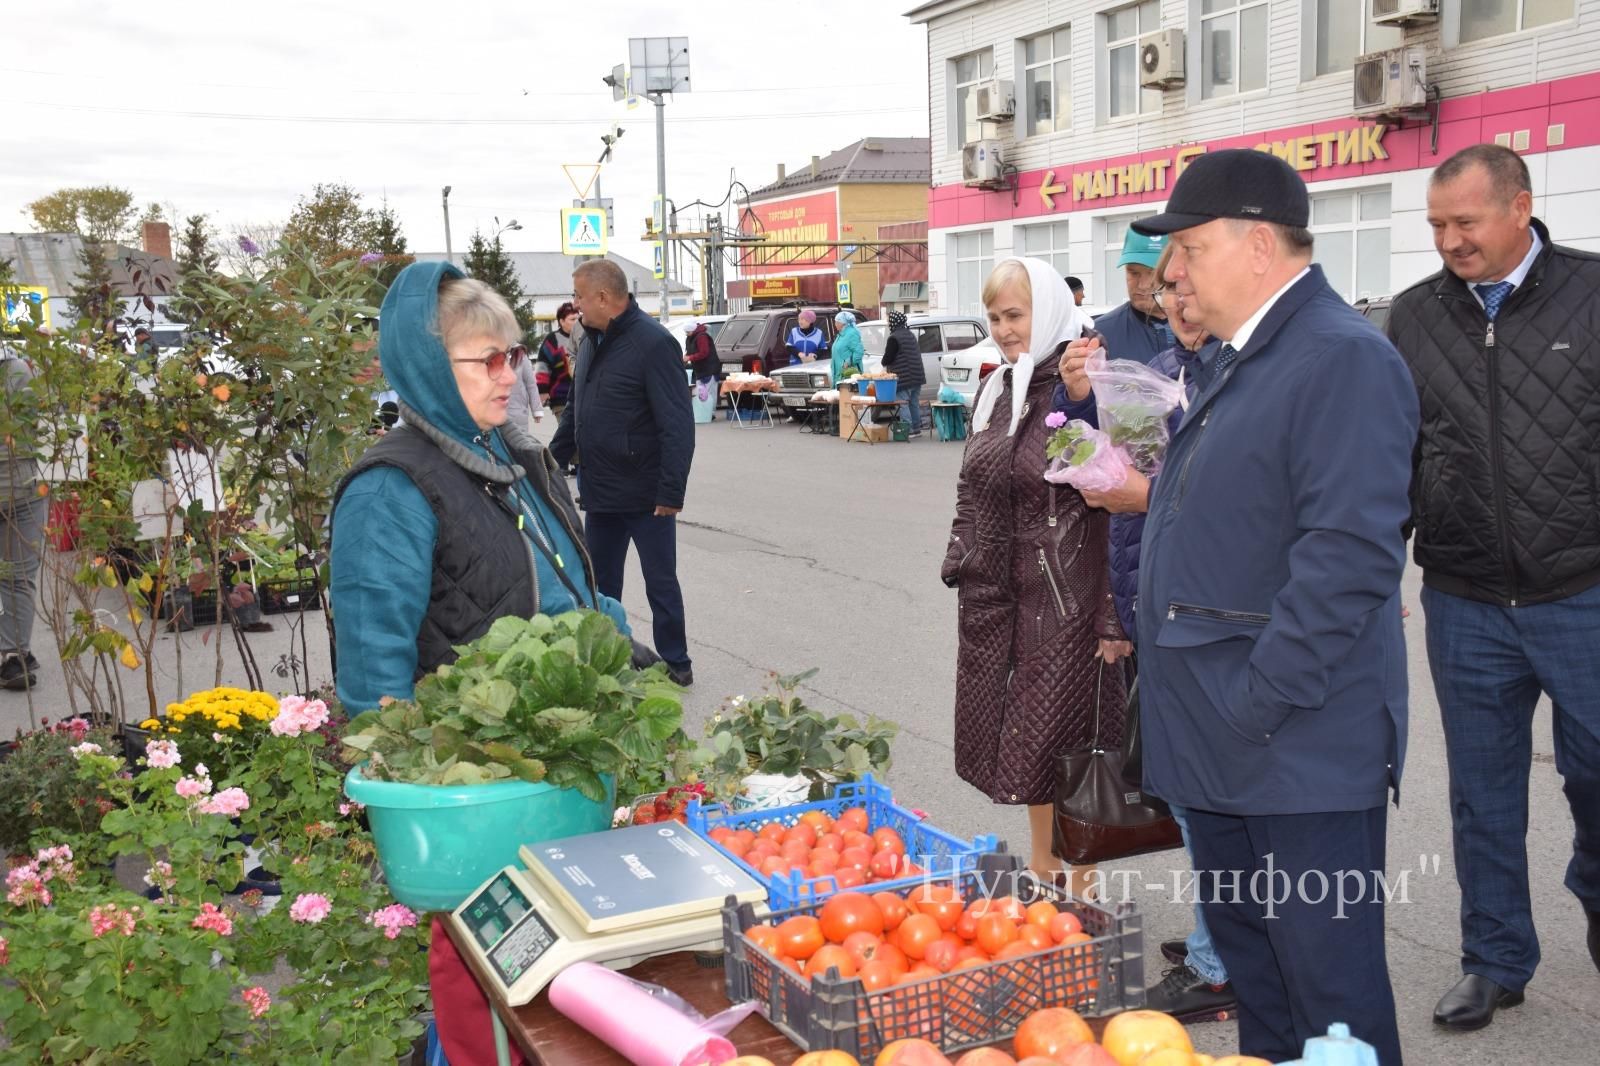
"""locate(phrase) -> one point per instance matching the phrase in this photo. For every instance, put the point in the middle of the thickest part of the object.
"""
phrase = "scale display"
(510, 932)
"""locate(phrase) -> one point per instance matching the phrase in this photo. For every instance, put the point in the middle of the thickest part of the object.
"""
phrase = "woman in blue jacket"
(454, 519)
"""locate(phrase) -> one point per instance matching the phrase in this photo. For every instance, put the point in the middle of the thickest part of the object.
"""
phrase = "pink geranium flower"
(257, 999)
(110, 918)
(212, 918)
(310, 907)
(297, 715)
(161, 754)
(392, 919)
(5, 951)
(230, 802)
(192, 787)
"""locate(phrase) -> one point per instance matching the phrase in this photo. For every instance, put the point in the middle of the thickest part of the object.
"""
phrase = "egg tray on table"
(962, 1009)
(940, 854)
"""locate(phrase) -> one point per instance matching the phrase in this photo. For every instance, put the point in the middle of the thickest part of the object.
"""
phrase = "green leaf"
(489, 698)
(466, 774)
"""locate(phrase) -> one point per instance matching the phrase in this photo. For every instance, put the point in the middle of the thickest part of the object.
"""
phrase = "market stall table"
(864, 410)
(956, 412)
(762, 389)
(822, 418)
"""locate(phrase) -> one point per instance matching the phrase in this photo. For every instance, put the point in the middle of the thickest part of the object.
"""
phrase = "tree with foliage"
(93, 297)
(488, 262)
(331, 223)
(98, 213)
(197, 265)
(389, 242)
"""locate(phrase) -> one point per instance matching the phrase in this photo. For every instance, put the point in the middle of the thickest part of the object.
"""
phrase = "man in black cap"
(1272, 663)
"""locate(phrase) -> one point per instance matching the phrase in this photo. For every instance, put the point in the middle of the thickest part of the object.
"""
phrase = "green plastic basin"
(436, 843)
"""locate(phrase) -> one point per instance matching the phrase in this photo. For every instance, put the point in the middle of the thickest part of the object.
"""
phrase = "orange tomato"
(942, 955)
(894, 909)
(986, 1056)
(826, 1058)
(849, 877)
(736, 847)
(822, 864)
(832, 840)
(886, 839)
(862, 946)
(1042, 912)
(967, 925)
(995, 931)
(859, 858)
(764, 937)
(1063, 925)
(1134, 1034)
(1036, 936)
(800, 937)
(802, 832)
(855, 838)
(1051, 1033)
(817, 820)
(887, 865)
(772, 864)
(831, 956)
(877, 974)
(849, 912)
(795, 851)
(971, 952)
(896, 958)
(915, 934)
(1009, 906)
(773, 831)
(854, 818)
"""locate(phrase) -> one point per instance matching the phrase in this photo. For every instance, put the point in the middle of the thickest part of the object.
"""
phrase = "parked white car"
(965, 370)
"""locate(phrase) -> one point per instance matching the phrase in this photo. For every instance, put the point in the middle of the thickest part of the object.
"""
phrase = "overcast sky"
(236, 110)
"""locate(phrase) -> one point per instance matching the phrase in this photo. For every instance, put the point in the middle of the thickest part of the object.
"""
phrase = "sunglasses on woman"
(495, 362)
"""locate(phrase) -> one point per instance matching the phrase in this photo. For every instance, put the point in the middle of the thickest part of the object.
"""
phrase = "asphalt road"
(798, 551)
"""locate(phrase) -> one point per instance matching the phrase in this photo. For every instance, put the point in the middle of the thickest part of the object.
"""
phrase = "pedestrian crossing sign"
(844, 292)
(658, 269)
(583, 231)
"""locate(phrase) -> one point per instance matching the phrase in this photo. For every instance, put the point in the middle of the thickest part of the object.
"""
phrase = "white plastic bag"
(1134, 403)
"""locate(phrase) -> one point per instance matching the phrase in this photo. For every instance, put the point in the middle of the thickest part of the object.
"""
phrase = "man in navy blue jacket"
(629, 423)
(1272, 664)
(1137, 329)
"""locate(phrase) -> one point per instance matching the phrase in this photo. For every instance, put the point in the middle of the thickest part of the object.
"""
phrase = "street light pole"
(448, 256)
(660, 100)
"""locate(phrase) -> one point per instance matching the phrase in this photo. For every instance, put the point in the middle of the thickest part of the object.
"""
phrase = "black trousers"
(1271, 887)
(656, 538)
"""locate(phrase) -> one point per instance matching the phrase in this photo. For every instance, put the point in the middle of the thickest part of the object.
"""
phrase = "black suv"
(760, 334)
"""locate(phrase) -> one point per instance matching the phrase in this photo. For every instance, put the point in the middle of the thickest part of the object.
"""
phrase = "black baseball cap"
(1233, 183)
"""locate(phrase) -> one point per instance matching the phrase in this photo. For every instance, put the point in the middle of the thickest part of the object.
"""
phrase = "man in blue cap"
(1137, 329)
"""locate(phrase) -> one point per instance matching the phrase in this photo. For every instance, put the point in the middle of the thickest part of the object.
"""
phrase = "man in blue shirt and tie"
(1505, 498)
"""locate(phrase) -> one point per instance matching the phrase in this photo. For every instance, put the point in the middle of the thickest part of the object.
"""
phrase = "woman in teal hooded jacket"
(847, 349)
(454, 519)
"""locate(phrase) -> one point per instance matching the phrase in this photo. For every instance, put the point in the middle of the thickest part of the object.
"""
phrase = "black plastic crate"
(962, 1009)
(286, 595)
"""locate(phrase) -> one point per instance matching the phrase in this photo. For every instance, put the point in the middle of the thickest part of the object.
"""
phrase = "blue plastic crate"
(938, 853)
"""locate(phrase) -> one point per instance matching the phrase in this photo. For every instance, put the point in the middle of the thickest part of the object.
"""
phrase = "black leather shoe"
(1594, 937)
(684, 676)
(1472, 1002)
(1189, 997)
(1175, 950)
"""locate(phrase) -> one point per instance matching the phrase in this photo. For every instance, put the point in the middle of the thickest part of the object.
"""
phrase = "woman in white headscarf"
(1029, 561)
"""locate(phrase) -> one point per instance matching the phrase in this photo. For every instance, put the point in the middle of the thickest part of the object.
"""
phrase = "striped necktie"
(1493, 296)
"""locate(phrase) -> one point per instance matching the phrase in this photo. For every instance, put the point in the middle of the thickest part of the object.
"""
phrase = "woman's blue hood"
(413, 355)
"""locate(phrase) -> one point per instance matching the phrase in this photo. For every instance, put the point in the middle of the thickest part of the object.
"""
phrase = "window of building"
(1491, 18)
(970, 72)
(1114, 287)
(1047, 242)
(1233, 47)
(1123, 27)
(1047, 82)
(1352, 231)
(974, 260)
(1340, 31)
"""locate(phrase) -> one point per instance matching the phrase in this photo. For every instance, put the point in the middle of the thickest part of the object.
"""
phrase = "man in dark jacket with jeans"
(629, 425)
(1506, 505)
(1271, 659)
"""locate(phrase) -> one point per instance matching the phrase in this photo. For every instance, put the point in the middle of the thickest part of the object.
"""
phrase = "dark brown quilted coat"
(1030, 562)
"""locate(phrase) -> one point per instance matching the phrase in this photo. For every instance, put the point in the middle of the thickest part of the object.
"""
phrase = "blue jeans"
(912, 398)
(1203, 958)
(656, 537)
(1489, 666)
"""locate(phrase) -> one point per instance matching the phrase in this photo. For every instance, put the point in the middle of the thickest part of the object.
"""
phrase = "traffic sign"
(844, 292)
(604, 205)
(659, 268)
(582, 176)
(583, 231)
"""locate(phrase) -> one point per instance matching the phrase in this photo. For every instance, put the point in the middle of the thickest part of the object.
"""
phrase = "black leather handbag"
(1099, 813)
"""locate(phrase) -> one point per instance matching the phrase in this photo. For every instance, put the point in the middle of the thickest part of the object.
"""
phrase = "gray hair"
(1508, 174)
(470, 308)
(605, 275)
(1297, 239)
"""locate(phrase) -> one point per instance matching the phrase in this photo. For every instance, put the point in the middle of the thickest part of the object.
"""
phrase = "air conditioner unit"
(994, 101)
(981, 164)
(1402, 12)
(1161, 59)
(1391, 81)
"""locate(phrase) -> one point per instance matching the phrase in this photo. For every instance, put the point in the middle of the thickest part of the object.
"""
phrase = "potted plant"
(774, 750)
(40, 790)
(523, 738)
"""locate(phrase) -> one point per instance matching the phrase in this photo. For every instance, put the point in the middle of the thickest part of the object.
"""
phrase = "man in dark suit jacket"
(629, 424)
(1272, 664)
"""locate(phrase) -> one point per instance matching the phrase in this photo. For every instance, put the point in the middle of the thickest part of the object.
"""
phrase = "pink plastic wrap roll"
(644, 1030)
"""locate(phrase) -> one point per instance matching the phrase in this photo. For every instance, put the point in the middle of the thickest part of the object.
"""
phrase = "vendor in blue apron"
(806, 341)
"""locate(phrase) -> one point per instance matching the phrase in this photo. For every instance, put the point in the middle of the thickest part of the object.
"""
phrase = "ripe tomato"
(773, 831)
(877, 974)
(860, 858)
(892, 955)
(967, 925)
(1063, 925)
(764, 937)
(1012, 950)
(915, 934)
(855, 838)
(1042, 912)
(849, 912)
(720, 834)
(772, 864)
(736, 847)
(1036, 936)
(831, 955)
(886, 865)
(822, 866)
(817, 820)
(862, 946)
(1009, 906)
(942, 955)
(886, 839)
(986, 1056)
(995, 931)
(947, 912)
(971, 953)
(832, 840)
(920, 972)
(795, 850)
(803, 833)
(894, 909)
(1051, 1032)
(800, 936)
(854, 818)
(849, 877)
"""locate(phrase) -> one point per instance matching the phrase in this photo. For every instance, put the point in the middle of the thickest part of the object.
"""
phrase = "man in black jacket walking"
(629, 424)
(1506, 509)
(903, 358)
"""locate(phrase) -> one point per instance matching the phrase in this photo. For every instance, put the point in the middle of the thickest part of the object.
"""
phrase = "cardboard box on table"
(849, 414)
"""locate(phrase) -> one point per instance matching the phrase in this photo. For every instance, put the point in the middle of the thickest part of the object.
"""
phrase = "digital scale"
(616, 898)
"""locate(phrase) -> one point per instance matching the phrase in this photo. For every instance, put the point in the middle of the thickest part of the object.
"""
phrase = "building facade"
(855, 192)
(1094, 107)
